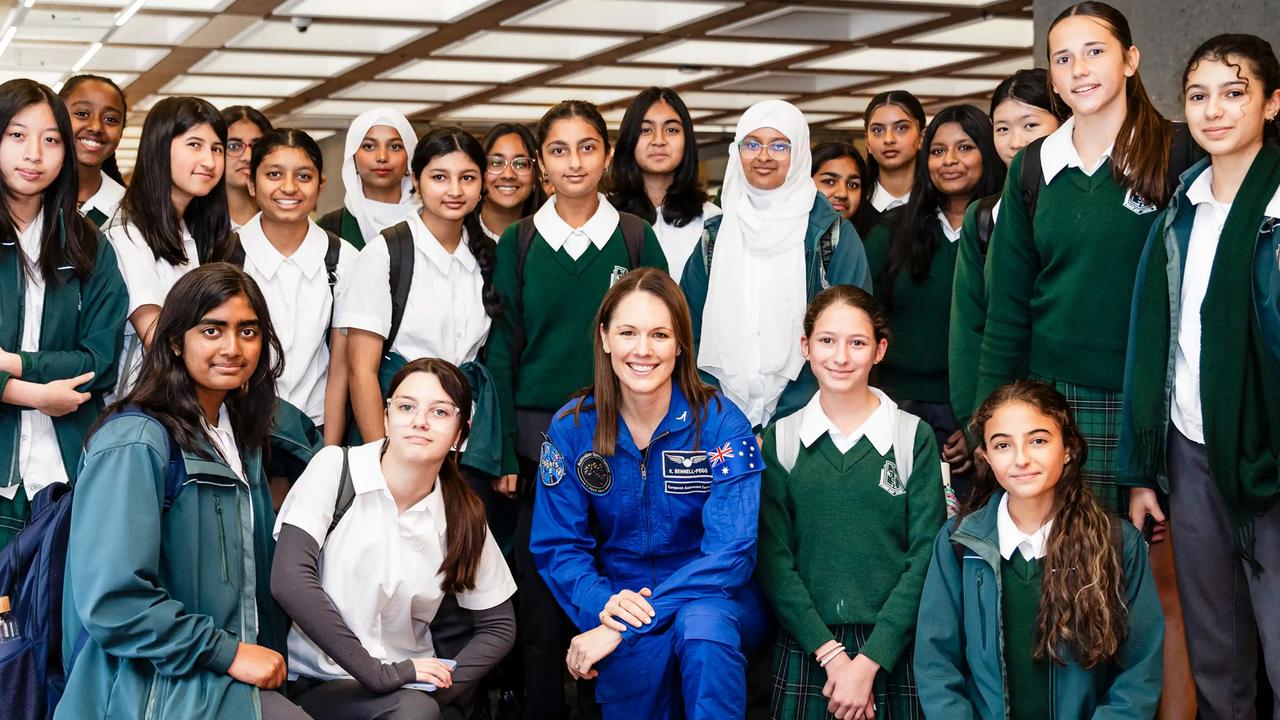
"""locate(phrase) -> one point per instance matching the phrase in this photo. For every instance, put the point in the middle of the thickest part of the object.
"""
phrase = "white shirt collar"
(952, 234)
(1033, 546)
(878, 427)
(555, 231)
(106, 200)
(29, 239)
(435, 252)
(267, 259)
(365, 462)
(1059, 152)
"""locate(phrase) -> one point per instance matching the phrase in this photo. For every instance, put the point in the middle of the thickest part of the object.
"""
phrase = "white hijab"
(754, 313)
(375, 216)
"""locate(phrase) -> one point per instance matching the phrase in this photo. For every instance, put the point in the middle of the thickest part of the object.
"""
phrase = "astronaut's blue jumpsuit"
(678, 517)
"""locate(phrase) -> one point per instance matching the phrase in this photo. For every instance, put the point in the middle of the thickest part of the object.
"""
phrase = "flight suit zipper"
(644, 497)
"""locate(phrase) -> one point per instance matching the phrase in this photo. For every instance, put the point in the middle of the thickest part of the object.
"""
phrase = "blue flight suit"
(680, 518)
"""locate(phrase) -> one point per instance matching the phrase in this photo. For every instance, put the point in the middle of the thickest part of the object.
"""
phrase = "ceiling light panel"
(831, 24)
(218, 101)
(736, 102)
(944, 87)
(432, 11)
(791, 83)
(552, 95)
(463, 71)
(646, 16)
(424, 92)
(155, 29)
(719, 52)
(487, 111)
(41, 56)
(899, 59)
(43, 77)
(128, 59)
(218, 85)
(209, 6)
(992, 32)
(225, 62)
(84, 26)
(539, 46)
(352, 108)
(843, 104)
(635, 77)
(959, 3)
(1000, 69)
(281, 35)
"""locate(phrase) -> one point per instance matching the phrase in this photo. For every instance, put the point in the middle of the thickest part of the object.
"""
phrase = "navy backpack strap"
(1032, 178)
(175, 468)
(400, 253)
(346, 494)
(633, 236)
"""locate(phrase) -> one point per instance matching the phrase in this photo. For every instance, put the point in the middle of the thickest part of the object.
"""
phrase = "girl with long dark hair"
(655, 173)
(364, 578)
(173, 216)
(840, 173)
(1038, 602)
(169, 557)
(63, 304)
(512, 180)
(913, 256)
(98, 110)
(245, 127)
(895, 122)
(375, 174)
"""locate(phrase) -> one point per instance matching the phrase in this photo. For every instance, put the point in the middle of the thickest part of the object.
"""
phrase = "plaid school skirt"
(798, 681)
(1097, 412)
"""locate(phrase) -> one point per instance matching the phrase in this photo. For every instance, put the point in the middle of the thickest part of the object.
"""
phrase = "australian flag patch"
(736, 457)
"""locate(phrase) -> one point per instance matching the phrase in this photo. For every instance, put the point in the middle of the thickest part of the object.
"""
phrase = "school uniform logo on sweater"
(594, 474)
(736, 457)
(550, 465)
(891, 480)
(685, 472)
(1137, 204)
(616, 275)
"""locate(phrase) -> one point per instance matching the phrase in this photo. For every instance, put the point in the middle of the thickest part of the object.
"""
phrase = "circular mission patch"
(594, 473)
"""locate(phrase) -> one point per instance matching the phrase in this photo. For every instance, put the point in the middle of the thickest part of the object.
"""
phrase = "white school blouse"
(678, 243)
(297, 292)
(444, 313)
(380, 567)
(149, 280)
(39, 456)
(883, 200)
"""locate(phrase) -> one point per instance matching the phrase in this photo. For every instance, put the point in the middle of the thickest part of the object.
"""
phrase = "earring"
(453, 448)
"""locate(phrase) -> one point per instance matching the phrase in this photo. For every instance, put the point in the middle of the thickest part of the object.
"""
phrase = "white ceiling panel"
(1002, 68)
(492, 112)
(790, 83)
(878, 59)
(352, 108)
(843, 104)
(129, 59)
(155, 29)
(430, 11)
(391, 90)
(225, 62)
(552, 95)
(41, 56)
(719, 52)
(636, 77)
(43, 77)
(831, 24)
(992, 32)
(944, 87)
(463, 71)
(218, 101)
(223, 85)
(539, 46)
(281, 35)
(723, 100)
(646, 16)
(210, 6)
(84, 26)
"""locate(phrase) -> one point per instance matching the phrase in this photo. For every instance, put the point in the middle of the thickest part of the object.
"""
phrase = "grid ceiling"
(478, 61)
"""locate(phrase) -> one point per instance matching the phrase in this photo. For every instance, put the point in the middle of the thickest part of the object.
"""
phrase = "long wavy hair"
(443, 141)
(605, 393)
(865, 217)
(166, 391)
(148, 204)
(1140, 160)
(58, 201)
(1082, 609)
(465, 523)
(684, 199)
(1242, 48)
(110, 166)
(914, 238)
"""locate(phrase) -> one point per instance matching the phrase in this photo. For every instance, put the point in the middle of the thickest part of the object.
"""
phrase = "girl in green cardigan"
(1037, 604)
(912, 255)
(62, 304)
(845, 526)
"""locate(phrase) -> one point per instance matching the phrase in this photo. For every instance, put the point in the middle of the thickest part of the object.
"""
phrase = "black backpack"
(331, 257)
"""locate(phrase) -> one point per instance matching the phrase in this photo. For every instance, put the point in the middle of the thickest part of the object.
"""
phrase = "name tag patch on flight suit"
(550, 465)
(594, 474)
(685, 472)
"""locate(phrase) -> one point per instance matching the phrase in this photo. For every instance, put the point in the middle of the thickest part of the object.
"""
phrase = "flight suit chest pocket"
(685, 472)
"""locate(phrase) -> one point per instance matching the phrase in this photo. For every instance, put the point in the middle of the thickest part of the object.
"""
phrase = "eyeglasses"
(405, 411)
(236, 148)
(521, 165)
(750, 149)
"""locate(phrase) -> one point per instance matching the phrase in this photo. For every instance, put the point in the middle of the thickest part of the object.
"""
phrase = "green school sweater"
(968, 319)
(559, 302)
(915, 367)
(837, 549)
(1027, 681)
(1061, 285)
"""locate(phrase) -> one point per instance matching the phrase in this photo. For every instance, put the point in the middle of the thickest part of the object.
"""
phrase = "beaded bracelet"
(830, 655)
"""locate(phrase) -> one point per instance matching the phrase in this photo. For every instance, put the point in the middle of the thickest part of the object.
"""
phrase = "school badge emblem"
(550, 465)
(1137, 204)
(890, 480)
(594, 474)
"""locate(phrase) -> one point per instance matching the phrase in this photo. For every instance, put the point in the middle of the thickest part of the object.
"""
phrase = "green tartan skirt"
(798, 681)
(1097, 412)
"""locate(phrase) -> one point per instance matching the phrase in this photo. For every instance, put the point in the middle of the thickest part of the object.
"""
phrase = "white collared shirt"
(883, 200)
(39, 456)
(106, 200)
(444, 313)
(877, 428)
(1185, 409)
(557, 233)
(380, 567)
(224, 441)
(1059, 153)
(297, 292)
(953, 234)
(1033, 546)
(678, 243)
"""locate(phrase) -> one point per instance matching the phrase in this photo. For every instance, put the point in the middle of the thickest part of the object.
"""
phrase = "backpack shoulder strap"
(400, 252)
(1184, 152)
(331, 221)
(525, 230)
(827, 244)
(237, 251)
(633, 236)
(1032, 177)
(708, 248)
(175, 469)
(786, 434)
(904, 443)
(331, 258)
(986, 222)
(346, 494)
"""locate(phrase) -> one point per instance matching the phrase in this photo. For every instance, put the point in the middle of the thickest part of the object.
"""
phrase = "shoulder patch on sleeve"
(550, 465)
(739, 456)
